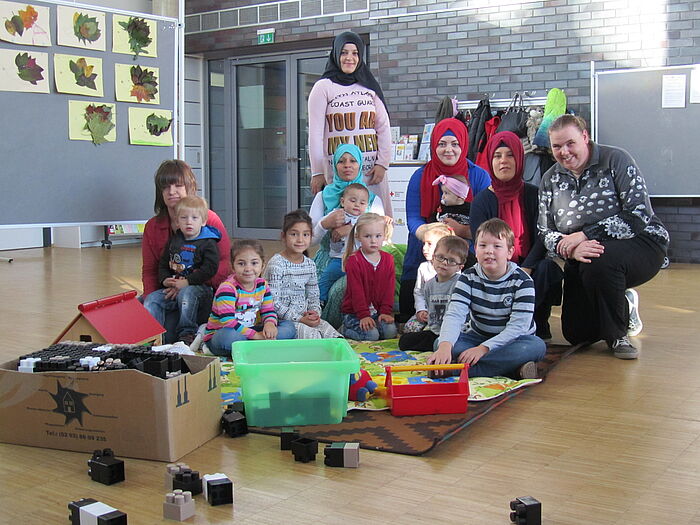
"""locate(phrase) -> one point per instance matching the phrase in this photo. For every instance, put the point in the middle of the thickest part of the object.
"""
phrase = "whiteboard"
(628, 113)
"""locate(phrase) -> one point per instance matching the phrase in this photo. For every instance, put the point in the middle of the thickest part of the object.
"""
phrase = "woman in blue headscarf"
(331, 219)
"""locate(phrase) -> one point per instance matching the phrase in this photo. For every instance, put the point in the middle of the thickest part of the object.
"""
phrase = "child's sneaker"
(635, 325)
(528, 370)
(623, 349)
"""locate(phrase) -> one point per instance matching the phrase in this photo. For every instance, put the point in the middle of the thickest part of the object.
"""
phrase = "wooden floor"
(602, 441)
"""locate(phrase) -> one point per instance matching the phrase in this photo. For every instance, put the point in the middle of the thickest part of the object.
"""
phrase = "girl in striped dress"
(243, 307)
(293, 282)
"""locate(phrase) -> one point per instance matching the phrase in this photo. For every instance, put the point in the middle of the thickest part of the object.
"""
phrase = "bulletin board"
(629, 112)
(61, 162)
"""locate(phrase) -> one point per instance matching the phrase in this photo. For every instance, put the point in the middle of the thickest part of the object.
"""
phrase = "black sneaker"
(623, 349)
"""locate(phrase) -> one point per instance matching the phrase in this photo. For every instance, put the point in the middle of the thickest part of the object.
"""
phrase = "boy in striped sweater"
(495, 301)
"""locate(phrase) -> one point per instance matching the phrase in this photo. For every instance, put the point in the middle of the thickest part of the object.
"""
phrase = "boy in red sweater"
(368, 304)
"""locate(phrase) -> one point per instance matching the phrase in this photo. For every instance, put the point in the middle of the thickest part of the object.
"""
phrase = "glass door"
(309, 70)
(260, 146)
(268, 158)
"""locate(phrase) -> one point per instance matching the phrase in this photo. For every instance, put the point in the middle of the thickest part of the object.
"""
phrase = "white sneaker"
(635, 323)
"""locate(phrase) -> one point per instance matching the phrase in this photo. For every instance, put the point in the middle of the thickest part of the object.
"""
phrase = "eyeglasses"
(445, 260)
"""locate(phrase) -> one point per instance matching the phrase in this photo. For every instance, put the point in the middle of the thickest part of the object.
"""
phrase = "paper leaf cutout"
(83, 73)
(139, 34)
(157, 125)
(145, 84)
(86, 28)
(21, 21)
(28, 16)
(28, 69)
(14, 25)
(98, 121)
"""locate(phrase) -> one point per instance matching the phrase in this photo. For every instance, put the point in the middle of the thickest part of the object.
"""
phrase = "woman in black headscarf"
(346, 106)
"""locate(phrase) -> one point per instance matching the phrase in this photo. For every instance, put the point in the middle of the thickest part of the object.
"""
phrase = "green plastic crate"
(296, 381)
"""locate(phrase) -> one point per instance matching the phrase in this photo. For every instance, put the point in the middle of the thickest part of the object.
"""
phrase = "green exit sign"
(266, 36)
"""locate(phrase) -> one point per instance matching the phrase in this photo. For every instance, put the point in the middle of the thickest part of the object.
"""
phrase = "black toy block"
(526, 511)
(89, 511)
(105, 468)
(156, 366)
(342, 455)
(304, 449)
(238, 406)
(286, 438)
(188, 480)
(234, 423)
(170, 470)
(218, 489)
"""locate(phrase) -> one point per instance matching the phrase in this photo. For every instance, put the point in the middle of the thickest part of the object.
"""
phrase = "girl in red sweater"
(368, 304)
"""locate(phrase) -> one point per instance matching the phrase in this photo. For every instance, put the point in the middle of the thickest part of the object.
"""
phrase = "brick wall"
(496, 47)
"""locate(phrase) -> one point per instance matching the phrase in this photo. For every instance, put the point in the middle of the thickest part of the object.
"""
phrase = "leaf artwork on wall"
(157, 125)
(83, 73)
(99, 122)
(24, 19)
(145, 83)
(86, 28)
(139, 34)
(27, 68)
(25, 24)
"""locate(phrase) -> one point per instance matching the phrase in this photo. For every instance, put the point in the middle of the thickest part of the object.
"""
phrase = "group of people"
(479, 276)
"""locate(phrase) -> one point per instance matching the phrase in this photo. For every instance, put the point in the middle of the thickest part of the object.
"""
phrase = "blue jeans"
(503, 361)
(187, 303)
(351, 329)
(333, 272)
(223, 338)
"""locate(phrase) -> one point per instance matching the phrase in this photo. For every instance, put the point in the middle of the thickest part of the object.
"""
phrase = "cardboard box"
(135, 414)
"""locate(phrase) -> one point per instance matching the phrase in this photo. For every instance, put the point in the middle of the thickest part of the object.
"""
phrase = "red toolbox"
(428, 398)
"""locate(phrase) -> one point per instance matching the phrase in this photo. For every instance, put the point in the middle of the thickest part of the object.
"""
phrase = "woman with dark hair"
(346, 106)
(595, 213)
(449, 142)
(173, 181)
(509, 198)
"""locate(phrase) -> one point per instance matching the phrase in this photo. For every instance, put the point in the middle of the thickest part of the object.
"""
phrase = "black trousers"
(422, 341)
(594, 305)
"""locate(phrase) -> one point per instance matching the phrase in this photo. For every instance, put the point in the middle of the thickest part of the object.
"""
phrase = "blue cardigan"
(478, 180)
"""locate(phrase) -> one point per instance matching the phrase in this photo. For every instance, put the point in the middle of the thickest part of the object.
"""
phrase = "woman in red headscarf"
(511, 199)
(448, 156)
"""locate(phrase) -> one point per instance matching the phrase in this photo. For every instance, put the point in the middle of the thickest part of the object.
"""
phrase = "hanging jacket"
(446, 109)
(490, 128)
(481, 114)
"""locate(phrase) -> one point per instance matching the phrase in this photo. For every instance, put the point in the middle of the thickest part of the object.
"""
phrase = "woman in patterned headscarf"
(595, 213)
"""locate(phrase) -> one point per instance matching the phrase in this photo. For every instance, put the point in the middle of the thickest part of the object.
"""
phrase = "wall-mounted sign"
(266, 36)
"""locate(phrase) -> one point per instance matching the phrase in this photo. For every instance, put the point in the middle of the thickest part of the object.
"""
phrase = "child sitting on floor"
(293, 282)
(189, 261)
(243, 306)
(353, 202)
(430, 234)
(448, 260)
(368, 304)
(496, 299)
